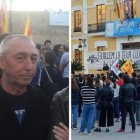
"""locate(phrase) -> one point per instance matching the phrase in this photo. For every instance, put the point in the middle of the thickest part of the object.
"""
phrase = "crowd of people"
(103, 99)
(33, 89)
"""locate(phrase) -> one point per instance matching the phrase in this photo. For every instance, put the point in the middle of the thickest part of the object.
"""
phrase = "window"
(78, 55)
(101, 17)
(131, 46)
(100, 13)
(77, 21)
(101, 48)
(133, 8)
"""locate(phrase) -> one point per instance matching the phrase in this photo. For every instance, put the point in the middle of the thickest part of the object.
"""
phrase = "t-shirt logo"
(20, 115)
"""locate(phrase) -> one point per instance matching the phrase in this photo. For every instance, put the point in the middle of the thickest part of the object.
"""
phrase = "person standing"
(59, 116)
(127, 96)
(75, 100)
(88, 114)
(106, 116)
(64, 68)
(24, 109)
(97, 96)
(59, 51)
(115, 89)
(50, 79)
(137, 103)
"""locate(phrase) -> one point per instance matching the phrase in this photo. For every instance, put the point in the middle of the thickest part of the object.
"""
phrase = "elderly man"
(24, 109)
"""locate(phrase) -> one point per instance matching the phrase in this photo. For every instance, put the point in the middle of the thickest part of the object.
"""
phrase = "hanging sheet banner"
(126, 28)
(96, 60)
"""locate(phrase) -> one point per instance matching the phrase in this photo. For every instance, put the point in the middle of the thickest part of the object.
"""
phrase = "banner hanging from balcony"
(124, 28)
(96, 60)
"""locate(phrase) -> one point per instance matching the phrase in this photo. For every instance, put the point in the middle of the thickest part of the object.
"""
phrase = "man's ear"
(1, 62)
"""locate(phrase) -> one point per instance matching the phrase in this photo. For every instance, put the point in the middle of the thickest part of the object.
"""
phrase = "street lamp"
(83, 41)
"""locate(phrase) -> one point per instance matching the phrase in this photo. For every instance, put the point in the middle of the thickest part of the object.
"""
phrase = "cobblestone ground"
(112, 135)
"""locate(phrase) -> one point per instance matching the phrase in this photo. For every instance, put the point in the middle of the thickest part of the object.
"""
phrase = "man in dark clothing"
(24, 109)
(134, 80)
(127, 96)
(59, 117)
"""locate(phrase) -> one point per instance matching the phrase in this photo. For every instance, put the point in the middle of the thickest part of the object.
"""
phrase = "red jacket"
(120, 82)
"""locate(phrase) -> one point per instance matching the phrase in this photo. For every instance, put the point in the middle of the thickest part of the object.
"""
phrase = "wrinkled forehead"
(21, 45)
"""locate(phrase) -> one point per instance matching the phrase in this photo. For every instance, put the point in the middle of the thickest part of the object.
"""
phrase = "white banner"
(96, 60)
(59, 18)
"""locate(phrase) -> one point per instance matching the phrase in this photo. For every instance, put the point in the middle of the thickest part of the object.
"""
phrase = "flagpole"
(10, 15)
(111, 14)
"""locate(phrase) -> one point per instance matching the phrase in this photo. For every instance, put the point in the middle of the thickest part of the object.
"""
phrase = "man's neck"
(13, 89)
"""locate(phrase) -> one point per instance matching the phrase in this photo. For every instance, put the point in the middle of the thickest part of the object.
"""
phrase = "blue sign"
(125, 28)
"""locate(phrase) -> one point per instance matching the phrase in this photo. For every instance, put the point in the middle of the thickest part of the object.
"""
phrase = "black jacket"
(127, 93)
(107, 96)
(107, 93)
(35, 123)
(59, 110)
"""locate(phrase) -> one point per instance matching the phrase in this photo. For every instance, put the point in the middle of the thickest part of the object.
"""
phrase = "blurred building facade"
(40, 25)
(90, 43)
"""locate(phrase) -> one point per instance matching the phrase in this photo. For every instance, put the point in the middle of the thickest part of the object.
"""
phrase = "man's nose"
(29, 64)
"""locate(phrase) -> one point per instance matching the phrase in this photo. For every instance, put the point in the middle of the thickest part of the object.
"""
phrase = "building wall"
(41, 30)
(76, 3)
(89, 2)
(91, 19)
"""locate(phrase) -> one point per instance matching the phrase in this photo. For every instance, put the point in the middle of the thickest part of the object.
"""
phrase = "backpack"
(46, 83)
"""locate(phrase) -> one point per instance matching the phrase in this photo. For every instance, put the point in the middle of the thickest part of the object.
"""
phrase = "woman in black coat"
(106, 116)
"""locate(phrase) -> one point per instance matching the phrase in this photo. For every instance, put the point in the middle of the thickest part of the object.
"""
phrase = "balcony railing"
(78, 29)
(98, 27)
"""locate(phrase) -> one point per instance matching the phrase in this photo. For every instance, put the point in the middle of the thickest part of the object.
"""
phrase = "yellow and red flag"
(3, 17)
(28, 31)
(127, 67)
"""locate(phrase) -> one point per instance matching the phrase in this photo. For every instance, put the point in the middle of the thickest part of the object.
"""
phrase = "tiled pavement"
(112, 135)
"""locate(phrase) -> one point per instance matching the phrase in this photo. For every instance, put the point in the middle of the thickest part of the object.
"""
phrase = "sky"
(39, 5)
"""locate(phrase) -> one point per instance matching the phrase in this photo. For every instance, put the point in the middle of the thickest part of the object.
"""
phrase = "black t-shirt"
(24, 117)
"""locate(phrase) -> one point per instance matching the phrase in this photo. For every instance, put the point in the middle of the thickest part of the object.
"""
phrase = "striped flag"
(127, 67)
(3, 17)
(28, 31)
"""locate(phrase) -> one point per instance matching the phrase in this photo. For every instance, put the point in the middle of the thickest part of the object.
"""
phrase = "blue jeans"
(88, 114)
(137, 111)
(74, 115)
(116, 107)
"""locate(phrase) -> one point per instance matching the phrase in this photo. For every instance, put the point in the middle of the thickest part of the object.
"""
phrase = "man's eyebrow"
(23, 53)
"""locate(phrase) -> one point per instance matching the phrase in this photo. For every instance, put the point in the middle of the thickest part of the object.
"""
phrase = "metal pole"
(10, 15)
(110, 15)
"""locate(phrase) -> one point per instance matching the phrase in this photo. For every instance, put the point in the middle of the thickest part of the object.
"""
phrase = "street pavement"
(112, 135)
